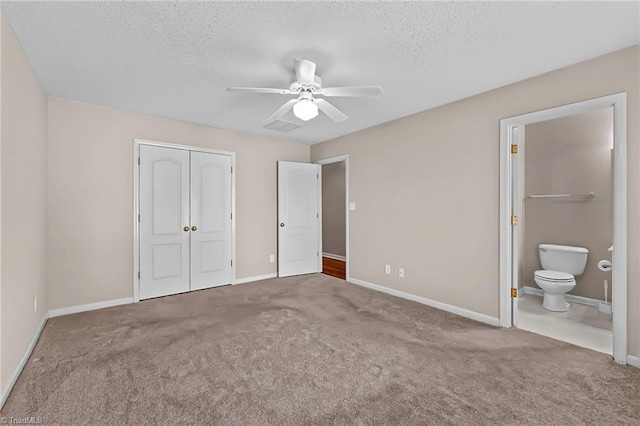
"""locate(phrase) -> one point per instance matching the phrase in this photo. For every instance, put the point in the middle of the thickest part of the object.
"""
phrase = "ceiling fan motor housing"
(298, 87)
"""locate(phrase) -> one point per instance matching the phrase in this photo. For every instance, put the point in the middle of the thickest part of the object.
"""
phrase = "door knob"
(185, 229)
(282, 225)
(194, 228)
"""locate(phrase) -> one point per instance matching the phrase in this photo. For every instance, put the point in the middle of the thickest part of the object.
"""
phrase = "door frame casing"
(136, 204)
(330, 160)
(619, 256)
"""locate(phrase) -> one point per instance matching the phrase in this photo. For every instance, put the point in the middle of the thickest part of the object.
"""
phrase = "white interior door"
(298, 218)
(164, 220)
(211, 220)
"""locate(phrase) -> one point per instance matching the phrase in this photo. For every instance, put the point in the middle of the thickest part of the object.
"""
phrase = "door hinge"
(138, 160)
(138, 274)
(231, 169)
(514, 148)
(514, 292)
(231, 216)
(138, 218)
(317, 215)
(232, 263)
(317, 254)
(317, 175)
(514, 220)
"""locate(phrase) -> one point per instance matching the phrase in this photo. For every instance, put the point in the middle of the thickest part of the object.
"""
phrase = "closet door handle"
(185, 229)
(194, 228)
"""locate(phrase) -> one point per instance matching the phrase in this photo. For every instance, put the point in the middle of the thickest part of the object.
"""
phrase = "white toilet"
(560, 266)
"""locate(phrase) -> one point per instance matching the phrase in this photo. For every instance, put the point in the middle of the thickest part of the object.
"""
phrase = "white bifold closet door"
(185, 221)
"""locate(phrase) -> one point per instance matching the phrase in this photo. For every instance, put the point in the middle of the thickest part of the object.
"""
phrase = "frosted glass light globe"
(305, 109)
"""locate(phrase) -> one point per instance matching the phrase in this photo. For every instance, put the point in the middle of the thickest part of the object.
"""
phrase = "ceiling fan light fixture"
(305, 109)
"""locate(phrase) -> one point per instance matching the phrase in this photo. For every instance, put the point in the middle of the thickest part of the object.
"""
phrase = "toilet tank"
(563, 258)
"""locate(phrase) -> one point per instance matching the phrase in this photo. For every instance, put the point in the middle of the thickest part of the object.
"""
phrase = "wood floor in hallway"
(334, 267)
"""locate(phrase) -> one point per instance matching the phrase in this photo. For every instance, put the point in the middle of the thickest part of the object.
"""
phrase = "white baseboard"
(89, 307)
(434, 304)
(334, 256)
(23, 361)
(255, 278)
(633, 360)
(570, 297)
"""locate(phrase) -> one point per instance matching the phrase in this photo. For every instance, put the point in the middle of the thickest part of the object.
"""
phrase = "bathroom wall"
(333, 209)
(570, 155)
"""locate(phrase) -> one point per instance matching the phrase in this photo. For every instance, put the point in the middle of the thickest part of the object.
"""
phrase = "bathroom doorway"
(335, 214)
(563, 223)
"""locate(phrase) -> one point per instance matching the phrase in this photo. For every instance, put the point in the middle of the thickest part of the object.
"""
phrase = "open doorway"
(335, 216)
(564, 205)
(555, 213)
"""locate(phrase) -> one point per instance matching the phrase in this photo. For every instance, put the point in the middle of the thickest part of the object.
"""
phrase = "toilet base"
(555, 302)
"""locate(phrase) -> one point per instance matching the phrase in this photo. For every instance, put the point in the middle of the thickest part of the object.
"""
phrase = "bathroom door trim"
(338, 159)
(136, 204)
(619, 256)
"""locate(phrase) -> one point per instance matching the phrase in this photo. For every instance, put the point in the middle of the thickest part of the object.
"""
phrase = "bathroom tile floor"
(581, 325)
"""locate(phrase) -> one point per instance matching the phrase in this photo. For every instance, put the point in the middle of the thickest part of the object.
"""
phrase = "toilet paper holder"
(604, 265)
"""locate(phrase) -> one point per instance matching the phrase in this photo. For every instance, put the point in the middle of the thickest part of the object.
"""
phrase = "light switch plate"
(387, 269)
(401, 272)
(352, 206)
(272, 258)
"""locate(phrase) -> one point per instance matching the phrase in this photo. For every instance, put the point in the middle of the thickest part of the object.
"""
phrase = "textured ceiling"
(176, 59)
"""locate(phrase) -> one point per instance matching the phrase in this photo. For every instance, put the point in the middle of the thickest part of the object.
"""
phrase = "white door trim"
(136, 204)
(619, 272)
(338, 159)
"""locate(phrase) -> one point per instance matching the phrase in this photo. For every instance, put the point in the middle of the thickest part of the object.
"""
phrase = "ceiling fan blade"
(334, 113)
(259, 90)
(305, 70)
(352, 91)
(280, 112)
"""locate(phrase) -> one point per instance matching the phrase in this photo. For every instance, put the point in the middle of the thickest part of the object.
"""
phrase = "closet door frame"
(136, 204)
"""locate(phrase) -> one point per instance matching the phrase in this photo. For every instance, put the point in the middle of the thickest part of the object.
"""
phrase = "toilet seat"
(554, 276)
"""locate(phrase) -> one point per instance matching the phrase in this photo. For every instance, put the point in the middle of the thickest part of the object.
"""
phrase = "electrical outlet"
(387, 269)
(352, 206)
(35, 304)
(272, 258)
(401, 272)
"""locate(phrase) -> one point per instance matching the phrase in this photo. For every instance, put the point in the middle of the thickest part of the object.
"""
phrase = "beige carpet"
(310, 350)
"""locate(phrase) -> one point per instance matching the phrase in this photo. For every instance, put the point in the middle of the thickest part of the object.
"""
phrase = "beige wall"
(90, 195)
(23, 177)
(427, 187)
(333, 209)
(567, 155)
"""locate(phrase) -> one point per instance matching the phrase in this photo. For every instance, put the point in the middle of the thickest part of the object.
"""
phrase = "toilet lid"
(555, 276)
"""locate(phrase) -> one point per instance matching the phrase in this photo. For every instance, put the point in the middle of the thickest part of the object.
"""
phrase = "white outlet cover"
(352, 206)
(272, 258)
(401, 272)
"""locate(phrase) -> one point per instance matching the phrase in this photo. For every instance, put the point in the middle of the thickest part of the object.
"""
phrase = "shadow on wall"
(333, 209)
(570, 155)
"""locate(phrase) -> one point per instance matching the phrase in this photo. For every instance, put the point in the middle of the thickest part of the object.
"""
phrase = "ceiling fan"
(306, 85)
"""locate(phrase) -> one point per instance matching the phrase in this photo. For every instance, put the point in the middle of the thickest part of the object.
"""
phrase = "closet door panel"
(210, 220)
(164, 213)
